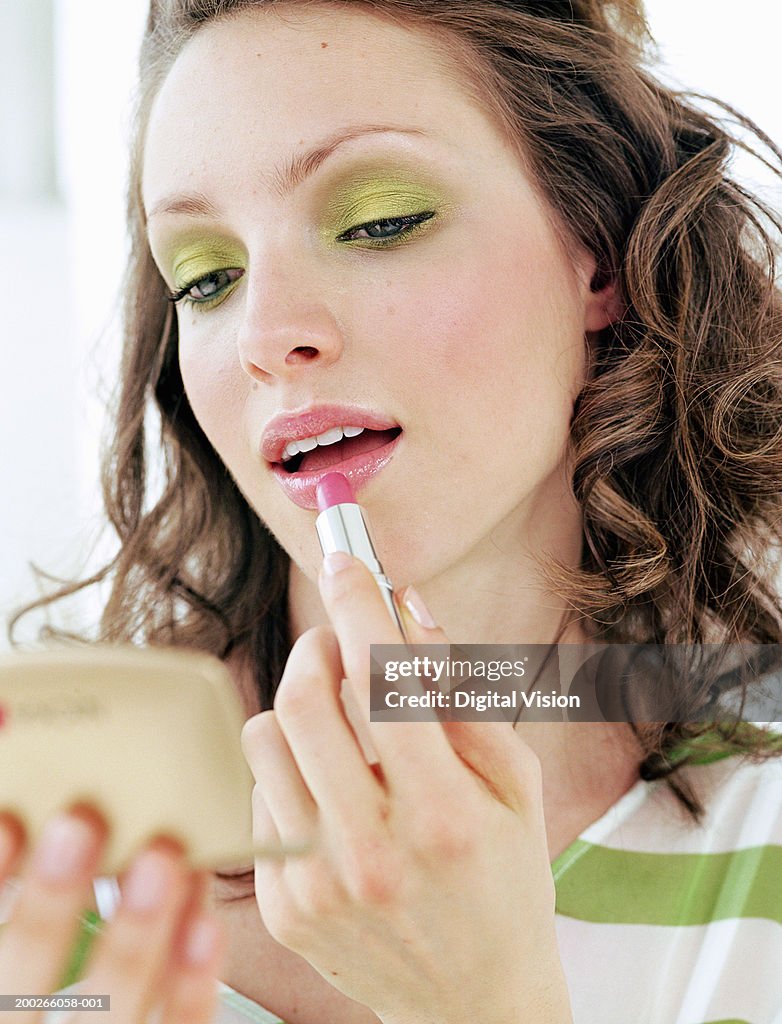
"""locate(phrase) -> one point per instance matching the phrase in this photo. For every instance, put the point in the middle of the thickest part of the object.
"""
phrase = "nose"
(285, 330)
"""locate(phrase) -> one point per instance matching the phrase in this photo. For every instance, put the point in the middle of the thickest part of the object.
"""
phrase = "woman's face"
(457, 317)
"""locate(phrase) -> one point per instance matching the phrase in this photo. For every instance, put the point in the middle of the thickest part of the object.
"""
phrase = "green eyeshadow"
(360, 199)
(372, 198)
(199, 257)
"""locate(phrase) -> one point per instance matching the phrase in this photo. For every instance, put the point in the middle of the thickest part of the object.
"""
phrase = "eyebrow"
(286, 178)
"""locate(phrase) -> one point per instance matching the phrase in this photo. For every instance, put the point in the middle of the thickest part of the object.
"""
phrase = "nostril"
(304, 352)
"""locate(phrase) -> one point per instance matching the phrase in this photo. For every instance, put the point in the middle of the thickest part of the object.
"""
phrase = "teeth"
(331, 436)
(307, 444)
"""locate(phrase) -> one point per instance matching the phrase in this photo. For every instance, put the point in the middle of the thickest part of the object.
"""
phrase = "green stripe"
(90, 927)
(621, 887)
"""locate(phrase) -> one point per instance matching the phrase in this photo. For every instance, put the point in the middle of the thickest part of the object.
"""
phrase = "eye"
(233, 886)
(378, 230)
(207, 289)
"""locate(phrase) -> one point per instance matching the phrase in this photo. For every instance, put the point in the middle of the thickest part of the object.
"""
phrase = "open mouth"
(332, 455)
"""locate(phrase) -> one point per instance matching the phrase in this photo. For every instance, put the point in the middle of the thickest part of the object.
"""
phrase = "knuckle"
(309, 678)
(294, 695)
(320, 637)
(374, 886)
(448, 844)
(346, 586)
(312, 648)
(257, 730)
(371, 871)
(442, 838)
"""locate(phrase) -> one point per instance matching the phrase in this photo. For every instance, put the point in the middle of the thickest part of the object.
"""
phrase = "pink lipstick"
(365, 443)
(343, 526)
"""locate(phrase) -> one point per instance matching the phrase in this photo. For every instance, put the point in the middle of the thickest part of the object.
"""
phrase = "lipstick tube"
(343, 526)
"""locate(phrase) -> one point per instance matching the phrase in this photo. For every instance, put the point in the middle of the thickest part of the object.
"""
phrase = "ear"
(603, 307)
(602, 302)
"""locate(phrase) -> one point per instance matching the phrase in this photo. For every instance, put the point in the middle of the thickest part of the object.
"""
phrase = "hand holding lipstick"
(428, 896)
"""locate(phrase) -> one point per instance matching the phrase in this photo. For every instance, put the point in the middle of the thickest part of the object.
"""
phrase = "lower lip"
(301, 488)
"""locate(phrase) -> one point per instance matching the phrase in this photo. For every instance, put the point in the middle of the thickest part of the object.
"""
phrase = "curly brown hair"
(676, 438)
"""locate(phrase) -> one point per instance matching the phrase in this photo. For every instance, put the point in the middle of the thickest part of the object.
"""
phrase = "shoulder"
(648, 862)
(742, 802)
(681, 920)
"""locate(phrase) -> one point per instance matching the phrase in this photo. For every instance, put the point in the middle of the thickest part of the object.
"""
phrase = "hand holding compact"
(158, 951)
(428, 896)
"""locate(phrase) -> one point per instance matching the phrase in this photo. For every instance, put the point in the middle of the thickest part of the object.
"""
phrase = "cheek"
(510, 318)
(213, 383)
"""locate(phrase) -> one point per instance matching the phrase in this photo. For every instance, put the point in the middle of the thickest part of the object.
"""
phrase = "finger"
(132, 953)
(266, 838)
(277, 775)
(197, 888)
(311, 716)
(268, 870)
(409, 751)
(198, 954)
(192, 996)
(12, 840)
(55, 888)
(499, 759)
(493, 751)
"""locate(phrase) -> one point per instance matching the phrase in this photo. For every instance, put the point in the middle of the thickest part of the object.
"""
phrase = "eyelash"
(183, 294)
(407, 224)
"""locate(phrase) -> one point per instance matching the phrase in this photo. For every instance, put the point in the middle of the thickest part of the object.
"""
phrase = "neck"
(472, 605)
(495, 593)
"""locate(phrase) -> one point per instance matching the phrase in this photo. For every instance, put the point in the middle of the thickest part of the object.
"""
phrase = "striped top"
(660, 920)
(663, 921)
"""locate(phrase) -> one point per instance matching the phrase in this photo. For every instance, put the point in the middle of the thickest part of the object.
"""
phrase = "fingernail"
(415, 605)
(65, 848)
(148, 881)
(336, 561)
(201, 942)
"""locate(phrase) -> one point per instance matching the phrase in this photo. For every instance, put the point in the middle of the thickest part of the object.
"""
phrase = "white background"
(62, 240)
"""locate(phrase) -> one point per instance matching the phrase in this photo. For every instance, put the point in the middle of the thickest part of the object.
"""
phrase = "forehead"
(289, 48)
(269, 80)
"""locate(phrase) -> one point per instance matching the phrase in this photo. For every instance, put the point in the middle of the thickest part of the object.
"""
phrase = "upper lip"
(287, 427)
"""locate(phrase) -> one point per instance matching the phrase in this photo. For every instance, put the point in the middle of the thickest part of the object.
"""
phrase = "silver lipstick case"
(345, 528)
